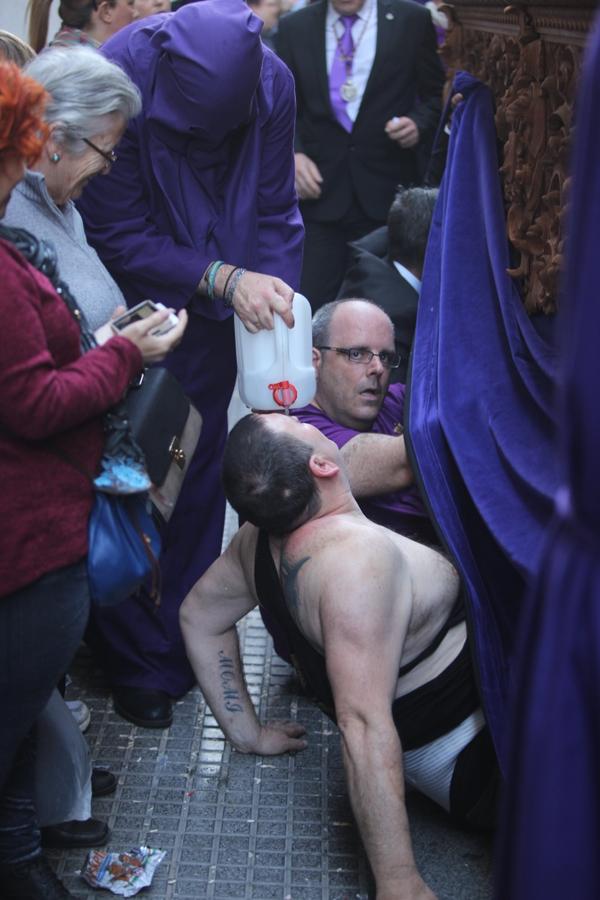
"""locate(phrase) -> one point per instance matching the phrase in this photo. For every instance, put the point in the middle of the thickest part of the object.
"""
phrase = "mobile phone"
(142, 311)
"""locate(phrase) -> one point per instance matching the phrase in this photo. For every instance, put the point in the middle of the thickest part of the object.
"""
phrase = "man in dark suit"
(388, 264)
(368, 91)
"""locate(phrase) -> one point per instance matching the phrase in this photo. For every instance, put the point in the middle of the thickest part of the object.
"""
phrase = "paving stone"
(239, 828)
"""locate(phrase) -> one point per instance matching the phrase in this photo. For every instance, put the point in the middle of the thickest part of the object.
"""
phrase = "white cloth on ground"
(429, 769)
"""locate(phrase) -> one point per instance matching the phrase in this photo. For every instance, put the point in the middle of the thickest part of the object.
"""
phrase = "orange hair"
(23, 132)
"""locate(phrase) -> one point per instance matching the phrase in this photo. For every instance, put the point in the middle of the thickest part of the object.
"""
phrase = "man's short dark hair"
(267, 478)
(409, 220)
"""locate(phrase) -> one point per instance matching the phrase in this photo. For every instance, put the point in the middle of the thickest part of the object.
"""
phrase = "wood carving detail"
(533, 81)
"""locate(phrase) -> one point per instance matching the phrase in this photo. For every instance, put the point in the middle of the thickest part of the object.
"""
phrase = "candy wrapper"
(122, 873)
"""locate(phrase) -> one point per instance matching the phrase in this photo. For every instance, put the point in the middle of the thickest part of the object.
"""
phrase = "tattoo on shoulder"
(289, 580)
(230, 694)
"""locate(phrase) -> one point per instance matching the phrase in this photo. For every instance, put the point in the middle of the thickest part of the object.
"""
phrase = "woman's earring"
(55, 157)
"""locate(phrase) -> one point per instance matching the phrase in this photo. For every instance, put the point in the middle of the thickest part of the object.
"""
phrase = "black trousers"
(327, 255)
(41, 626)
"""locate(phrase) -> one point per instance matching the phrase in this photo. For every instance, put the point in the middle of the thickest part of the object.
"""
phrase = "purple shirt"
(386, 509)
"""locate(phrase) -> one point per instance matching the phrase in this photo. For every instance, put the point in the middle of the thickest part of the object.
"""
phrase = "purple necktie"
(340, 71)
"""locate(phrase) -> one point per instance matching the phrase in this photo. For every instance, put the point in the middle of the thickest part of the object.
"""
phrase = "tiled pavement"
(237, 826)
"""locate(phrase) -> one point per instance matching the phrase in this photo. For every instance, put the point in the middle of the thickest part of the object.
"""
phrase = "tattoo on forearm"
(289, 581)
(230, 694)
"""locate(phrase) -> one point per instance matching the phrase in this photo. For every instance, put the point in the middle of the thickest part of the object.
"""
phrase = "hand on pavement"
(280, 737)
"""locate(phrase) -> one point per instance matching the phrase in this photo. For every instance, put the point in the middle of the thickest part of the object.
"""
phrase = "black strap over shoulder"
(40, 254)
(309, 664)
(457, 615)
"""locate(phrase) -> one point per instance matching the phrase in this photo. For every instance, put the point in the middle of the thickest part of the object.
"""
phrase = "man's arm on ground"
(376, 464)
(208, 618)
(365, 611)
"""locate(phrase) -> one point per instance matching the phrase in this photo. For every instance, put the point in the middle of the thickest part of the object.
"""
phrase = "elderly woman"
(83, 21)
(52, 402)
(90, 103)
(200, 212)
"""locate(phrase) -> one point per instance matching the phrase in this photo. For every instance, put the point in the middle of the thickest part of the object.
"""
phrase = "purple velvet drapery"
(481, 414)
(551, 829)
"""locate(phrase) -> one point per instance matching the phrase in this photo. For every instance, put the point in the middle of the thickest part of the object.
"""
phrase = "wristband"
(228, 298)
(211, 276)
(228, 279)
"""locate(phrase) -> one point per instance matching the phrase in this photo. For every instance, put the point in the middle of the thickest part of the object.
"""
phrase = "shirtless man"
(372, 620)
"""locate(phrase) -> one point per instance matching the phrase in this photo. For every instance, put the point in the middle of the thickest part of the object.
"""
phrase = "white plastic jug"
(275, 368)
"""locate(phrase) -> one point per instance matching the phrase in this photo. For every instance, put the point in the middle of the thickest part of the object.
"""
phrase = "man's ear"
(322, 466)
(316, 359)
(105, 12)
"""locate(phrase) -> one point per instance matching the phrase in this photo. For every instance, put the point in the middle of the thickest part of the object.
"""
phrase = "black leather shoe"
(33, 880)
(150, 709)
(103, 783)
(91, 833)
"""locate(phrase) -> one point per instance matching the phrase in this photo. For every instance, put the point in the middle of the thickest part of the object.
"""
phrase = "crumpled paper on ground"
(123, 873)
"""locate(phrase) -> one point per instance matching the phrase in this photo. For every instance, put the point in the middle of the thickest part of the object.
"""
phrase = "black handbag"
(167, 427)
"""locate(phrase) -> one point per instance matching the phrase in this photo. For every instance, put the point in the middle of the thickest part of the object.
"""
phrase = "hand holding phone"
(142, 311)
(145, 334)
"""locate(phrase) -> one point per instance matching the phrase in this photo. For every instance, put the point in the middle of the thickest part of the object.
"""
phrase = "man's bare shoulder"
(241, 550)
(343, 542)
(336, 567)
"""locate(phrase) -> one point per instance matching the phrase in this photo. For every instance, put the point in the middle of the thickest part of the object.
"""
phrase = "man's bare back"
(428, 584)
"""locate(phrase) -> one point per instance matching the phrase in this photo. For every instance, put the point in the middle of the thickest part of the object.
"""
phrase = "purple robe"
(205, 172)
(551, 829)
(481, 418)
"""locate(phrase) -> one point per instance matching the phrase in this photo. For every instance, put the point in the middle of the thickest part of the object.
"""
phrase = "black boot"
(88, 833)
(144, 707)
(32, 880)
(103, 782)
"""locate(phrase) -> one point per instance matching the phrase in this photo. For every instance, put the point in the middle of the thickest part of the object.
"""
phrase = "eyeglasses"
(110, 157)
(362, 356)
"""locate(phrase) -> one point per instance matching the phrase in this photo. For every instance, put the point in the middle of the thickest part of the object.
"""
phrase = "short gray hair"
(84, 87)
(321, 322)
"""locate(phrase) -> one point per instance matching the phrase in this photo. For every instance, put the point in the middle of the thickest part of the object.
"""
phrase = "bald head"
(351, 392)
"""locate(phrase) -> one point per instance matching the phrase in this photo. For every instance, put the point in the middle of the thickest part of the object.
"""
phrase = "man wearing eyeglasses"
(355, 406)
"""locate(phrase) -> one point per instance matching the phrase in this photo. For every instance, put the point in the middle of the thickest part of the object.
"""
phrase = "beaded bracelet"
(227, 280)
(228, 298)
(211, 276)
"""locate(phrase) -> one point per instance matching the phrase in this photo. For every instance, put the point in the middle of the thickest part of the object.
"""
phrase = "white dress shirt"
(408, 276)
(364, 53)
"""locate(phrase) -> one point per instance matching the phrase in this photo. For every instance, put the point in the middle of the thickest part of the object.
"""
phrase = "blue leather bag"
(124, 547)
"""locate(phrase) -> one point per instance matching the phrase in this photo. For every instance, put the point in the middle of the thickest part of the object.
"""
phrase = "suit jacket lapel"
(316, 38)
(387, 38)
